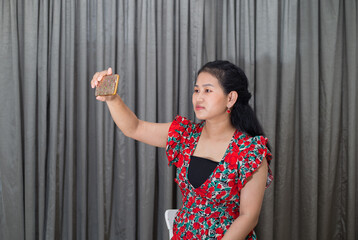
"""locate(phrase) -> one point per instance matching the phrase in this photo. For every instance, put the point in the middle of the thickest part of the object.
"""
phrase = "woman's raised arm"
(154, 134)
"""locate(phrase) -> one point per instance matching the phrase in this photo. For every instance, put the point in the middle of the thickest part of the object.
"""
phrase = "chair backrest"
(169, 219)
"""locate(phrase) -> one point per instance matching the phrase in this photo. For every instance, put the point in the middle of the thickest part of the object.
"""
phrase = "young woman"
(222, 162)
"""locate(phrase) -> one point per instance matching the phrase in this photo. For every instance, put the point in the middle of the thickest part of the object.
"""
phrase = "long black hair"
(233, 78)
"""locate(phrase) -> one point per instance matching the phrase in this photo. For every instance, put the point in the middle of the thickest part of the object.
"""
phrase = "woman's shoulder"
(256, 146)
(182, 124)
(246, 139)
(245, 143)
(258, 140)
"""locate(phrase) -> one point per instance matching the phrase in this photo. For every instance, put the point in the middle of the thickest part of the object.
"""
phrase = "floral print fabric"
(209, 210)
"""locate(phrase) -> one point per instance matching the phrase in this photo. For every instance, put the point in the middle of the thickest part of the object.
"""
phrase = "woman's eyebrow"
(205, 85)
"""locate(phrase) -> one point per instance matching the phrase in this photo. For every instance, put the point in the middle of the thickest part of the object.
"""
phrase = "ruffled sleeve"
(257, 151)
(177, 133)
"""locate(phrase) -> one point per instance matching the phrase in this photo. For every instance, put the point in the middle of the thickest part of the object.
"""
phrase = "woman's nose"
(199, 97)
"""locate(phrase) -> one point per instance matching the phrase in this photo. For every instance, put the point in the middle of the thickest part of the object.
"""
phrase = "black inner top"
(200, 170)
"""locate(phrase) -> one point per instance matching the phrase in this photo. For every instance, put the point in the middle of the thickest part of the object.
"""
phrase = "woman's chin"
(200, 116)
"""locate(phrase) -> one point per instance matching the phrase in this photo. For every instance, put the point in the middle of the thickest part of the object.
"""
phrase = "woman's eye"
(207, 90)
(196, 90)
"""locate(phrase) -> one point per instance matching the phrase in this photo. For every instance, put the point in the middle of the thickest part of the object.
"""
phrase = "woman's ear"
(232, 98)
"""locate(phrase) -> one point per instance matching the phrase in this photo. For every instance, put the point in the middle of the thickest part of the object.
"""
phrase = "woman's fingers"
(98, 76)
(102, 74)
(93, 81)
(105, 98)
(101, 98)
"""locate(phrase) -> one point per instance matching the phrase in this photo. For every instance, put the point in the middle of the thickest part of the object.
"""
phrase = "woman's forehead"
(206, 79)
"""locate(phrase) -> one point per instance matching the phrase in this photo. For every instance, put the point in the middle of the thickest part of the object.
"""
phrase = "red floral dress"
(209, 210)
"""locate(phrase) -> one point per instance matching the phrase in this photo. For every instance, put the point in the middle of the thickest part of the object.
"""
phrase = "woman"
(222, 162)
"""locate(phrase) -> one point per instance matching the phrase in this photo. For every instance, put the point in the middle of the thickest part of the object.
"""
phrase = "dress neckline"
(207, 159)
(199, 130)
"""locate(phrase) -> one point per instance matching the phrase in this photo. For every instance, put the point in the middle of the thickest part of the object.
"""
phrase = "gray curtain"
(66, 171)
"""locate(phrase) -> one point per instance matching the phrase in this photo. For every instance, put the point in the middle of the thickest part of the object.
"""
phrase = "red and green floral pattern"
(209, 210)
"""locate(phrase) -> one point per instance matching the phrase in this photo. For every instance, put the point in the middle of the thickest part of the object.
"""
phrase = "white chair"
(169, 219)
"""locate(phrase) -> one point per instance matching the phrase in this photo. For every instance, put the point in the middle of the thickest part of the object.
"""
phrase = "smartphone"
(107, 86)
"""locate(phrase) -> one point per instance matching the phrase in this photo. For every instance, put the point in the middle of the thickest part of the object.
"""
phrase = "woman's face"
(209, 99)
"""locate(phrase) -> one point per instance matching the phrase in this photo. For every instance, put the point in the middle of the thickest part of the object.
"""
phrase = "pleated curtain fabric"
(67, 172)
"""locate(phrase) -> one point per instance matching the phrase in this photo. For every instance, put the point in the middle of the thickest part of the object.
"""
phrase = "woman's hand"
(97, 77)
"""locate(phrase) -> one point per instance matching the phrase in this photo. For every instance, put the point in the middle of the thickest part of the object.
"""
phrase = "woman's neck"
(218, 128)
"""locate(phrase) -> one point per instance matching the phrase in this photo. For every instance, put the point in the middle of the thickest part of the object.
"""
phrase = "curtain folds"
(67, 172)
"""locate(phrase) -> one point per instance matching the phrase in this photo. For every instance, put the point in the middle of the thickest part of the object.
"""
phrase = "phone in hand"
(107, 86)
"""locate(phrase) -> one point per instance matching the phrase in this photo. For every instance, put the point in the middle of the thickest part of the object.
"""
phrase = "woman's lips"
(199, 108)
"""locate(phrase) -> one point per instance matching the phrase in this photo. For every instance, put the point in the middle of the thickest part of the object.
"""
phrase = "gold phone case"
(108, 86)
